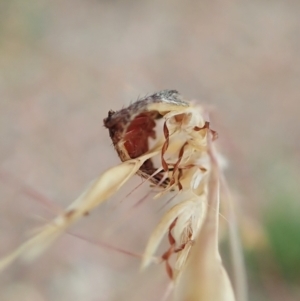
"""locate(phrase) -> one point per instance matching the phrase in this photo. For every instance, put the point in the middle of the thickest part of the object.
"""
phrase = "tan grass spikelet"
(102, 188)
(203, 277)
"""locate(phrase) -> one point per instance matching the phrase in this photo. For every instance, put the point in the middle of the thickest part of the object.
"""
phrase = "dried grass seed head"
(183, 163)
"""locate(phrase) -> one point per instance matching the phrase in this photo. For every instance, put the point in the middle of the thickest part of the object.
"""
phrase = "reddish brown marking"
(170, 236)
(214, 134)
(180, 248)
(138, 132)
(206, 126)
(179, 117)
(168, 254)
(166, 257)
(29, 191)
(171, 250)
(180, 155)
(169, 270)
(188, 166)
(176, 166)
(166, 131)
(172, 182)
(69, 213)
(178, 179)
(164, 148)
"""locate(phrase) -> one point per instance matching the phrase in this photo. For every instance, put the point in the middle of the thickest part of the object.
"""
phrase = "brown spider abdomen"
(131, 128)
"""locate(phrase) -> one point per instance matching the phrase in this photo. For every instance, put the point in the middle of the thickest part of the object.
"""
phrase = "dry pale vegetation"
(187, 167)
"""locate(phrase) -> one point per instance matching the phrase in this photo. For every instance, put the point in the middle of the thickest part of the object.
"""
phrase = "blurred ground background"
(64, 64)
